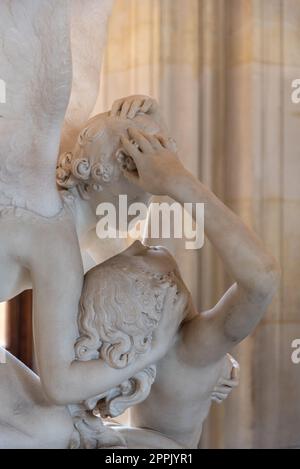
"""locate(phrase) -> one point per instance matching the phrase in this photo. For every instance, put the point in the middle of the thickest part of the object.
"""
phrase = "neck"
(86, 218)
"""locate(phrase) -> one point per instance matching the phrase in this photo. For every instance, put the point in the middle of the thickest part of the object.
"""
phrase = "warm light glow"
(2, 324)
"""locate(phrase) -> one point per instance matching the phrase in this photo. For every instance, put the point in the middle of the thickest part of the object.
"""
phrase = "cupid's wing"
(35, 68)
(89, 22)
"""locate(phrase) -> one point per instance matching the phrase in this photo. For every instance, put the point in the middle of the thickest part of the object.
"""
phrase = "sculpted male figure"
(43, 234)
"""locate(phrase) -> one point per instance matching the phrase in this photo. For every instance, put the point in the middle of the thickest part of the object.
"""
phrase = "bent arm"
(57, 276)
(256, 273)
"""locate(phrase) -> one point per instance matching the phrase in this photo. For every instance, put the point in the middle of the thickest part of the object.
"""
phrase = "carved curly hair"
(120, 308)
(90, 165)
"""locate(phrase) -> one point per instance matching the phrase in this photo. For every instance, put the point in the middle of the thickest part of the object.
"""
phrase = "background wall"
(222, 71)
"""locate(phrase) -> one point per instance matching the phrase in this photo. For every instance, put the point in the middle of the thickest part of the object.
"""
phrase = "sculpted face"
(159, 262)
(155, 259)
(123, 301)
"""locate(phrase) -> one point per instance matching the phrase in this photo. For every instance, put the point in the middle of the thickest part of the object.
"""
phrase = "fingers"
(147, 105)
(157, 142)
(222, 390)
(232, 383)
(162, 140)
(142, 141)
(232, 361)
(220, 395)
(125, 109)
(154, 141)
(129, 107)
(131, 149)
(116, 108)
(235, 372)
(121, 107)
(219, 398)
(135, 107)
(167, 142)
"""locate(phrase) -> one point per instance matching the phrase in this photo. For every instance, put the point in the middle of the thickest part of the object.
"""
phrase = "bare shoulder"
(31, 238)
(210, 335)
(31, 246)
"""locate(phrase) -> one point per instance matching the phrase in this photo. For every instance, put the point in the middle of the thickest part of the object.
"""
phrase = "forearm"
(57, 285)
(240, 249)
(83, 380)
(160, 172)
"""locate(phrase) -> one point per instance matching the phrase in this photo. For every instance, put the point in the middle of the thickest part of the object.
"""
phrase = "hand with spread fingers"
(156, 160)
(129, 107)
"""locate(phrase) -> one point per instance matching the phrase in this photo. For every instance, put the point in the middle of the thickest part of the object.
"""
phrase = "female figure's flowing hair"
(120, 308)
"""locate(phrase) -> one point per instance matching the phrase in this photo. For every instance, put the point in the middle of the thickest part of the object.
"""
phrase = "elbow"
(57, 391)
(267, 281)
(57, 396)
(271, 278)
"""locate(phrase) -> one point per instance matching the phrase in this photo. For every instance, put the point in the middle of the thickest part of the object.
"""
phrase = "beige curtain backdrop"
(222, 71)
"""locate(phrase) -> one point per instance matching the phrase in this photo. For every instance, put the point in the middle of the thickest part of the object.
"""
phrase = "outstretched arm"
(256, 273)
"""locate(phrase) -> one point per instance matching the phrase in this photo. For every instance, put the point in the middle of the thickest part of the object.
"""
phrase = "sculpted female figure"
(120, 327)
(40, 233)
(124, 301)
(40, 229)
(204, 338)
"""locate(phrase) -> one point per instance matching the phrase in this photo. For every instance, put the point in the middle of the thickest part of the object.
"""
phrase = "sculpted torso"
(194, 387)
(30, 127)
(154, 275)
(41, 120)
(43, 238)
